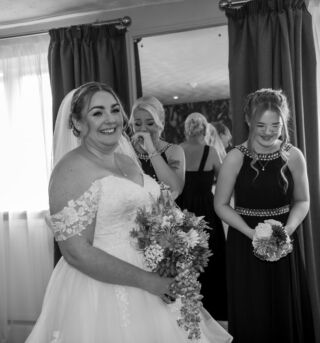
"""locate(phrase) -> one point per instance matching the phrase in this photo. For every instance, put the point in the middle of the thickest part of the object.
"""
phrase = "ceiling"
(18, 12)
(191, 65)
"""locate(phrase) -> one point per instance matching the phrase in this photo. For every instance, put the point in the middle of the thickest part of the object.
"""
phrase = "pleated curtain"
(79, 54)
(271, 45)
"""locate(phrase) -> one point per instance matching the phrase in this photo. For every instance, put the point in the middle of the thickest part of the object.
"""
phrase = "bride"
(100, 291)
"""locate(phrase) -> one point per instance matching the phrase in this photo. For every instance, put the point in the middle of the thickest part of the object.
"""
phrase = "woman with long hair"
(268, 301)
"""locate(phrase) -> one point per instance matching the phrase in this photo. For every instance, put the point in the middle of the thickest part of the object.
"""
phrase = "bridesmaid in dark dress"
(161, 160)
(202, 165)
(268, 301)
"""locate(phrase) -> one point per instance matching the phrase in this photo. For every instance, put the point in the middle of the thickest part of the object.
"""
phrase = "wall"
(151, 19)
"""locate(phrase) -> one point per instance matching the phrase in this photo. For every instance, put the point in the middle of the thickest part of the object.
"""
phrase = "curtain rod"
(223, 4)
(124, 22)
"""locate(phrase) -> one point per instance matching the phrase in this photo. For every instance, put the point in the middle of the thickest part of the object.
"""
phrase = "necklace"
(263, 165)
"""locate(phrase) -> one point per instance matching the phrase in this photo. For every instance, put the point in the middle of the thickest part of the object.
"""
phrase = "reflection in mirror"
(188, 72)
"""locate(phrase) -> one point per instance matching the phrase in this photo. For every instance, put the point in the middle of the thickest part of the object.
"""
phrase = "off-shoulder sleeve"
(76, 216)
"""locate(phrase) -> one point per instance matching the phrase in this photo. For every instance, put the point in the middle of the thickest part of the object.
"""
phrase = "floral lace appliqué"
(123, 302)
(75, 217)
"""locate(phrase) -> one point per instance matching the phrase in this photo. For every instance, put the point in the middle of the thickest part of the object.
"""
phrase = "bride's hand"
(143, 141)
(160, 286)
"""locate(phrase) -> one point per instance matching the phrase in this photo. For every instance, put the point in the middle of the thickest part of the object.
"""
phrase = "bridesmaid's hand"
(250, 234)
(288, 230)
(144, 141)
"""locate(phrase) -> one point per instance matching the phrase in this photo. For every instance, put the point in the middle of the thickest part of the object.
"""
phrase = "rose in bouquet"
(271, 241)
(175, 244)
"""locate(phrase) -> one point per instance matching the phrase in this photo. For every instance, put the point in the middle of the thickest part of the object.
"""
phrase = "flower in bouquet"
(175, 244)
(271, 241)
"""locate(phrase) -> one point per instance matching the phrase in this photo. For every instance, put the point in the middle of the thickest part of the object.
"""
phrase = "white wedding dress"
(79, 309)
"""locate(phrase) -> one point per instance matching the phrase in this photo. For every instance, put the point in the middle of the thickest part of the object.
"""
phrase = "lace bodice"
(112, 201)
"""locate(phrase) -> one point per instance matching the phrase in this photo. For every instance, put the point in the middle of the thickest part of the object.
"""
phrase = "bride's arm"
(73, 220)
(79, 252)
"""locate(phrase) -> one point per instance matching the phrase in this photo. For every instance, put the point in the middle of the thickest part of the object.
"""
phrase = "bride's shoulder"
(69, 180)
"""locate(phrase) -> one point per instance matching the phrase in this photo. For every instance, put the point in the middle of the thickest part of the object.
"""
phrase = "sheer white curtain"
(25, 162)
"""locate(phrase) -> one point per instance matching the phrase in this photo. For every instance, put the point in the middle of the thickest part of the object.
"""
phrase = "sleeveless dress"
(197, 197)
(268, 301)
(80, 309)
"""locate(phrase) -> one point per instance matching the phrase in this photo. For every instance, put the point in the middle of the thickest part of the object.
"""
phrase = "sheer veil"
(64, 140)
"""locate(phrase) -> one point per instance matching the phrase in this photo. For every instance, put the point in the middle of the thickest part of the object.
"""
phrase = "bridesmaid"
(202, 165)
(268, 301)
(163, 161)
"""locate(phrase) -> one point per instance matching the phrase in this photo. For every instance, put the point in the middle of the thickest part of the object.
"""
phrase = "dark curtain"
(80, 54)
(271, 45)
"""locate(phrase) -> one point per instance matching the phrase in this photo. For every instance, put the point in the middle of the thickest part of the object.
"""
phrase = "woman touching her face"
(163, 161)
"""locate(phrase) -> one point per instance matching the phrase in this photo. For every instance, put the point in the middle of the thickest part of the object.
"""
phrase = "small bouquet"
(271, 241)
(175, 244)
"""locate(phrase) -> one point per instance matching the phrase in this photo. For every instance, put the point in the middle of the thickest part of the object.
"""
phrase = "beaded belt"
(267, 212)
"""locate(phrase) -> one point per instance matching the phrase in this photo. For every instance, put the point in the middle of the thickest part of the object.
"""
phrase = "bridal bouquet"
(271, 241)
(175, 244)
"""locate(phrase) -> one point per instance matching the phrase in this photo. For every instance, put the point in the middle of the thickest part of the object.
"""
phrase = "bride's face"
(102, 121)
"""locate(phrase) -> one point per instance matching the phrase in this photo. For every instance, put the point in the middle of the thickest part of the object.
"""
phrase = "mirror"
(188, 72)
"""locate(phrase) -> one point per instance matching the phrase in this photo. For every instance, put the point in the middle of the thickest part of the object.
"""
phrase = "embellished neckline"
(146, 157)
(266, 156)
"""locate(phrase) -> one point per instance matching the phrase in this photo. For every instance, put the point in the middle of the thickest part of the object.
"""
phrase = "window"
(25, 130)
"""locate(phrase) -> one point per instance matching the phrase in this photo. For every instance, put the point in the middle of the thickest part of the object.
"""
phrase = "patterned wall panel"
(215, 110)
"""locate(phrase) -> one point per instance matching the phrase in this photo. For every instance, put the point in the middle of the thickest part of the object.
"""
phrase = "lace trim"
(75, 217)
(267, 212)
(123, 301)
(264, 157)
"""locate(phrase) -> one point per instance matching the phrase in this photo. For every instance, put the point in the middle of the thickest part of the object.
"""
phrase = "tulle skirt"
(80, 309)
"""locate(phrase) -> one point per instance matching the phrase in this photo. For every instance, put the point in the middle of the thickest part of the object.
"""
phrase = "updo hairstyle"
(195, 125)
